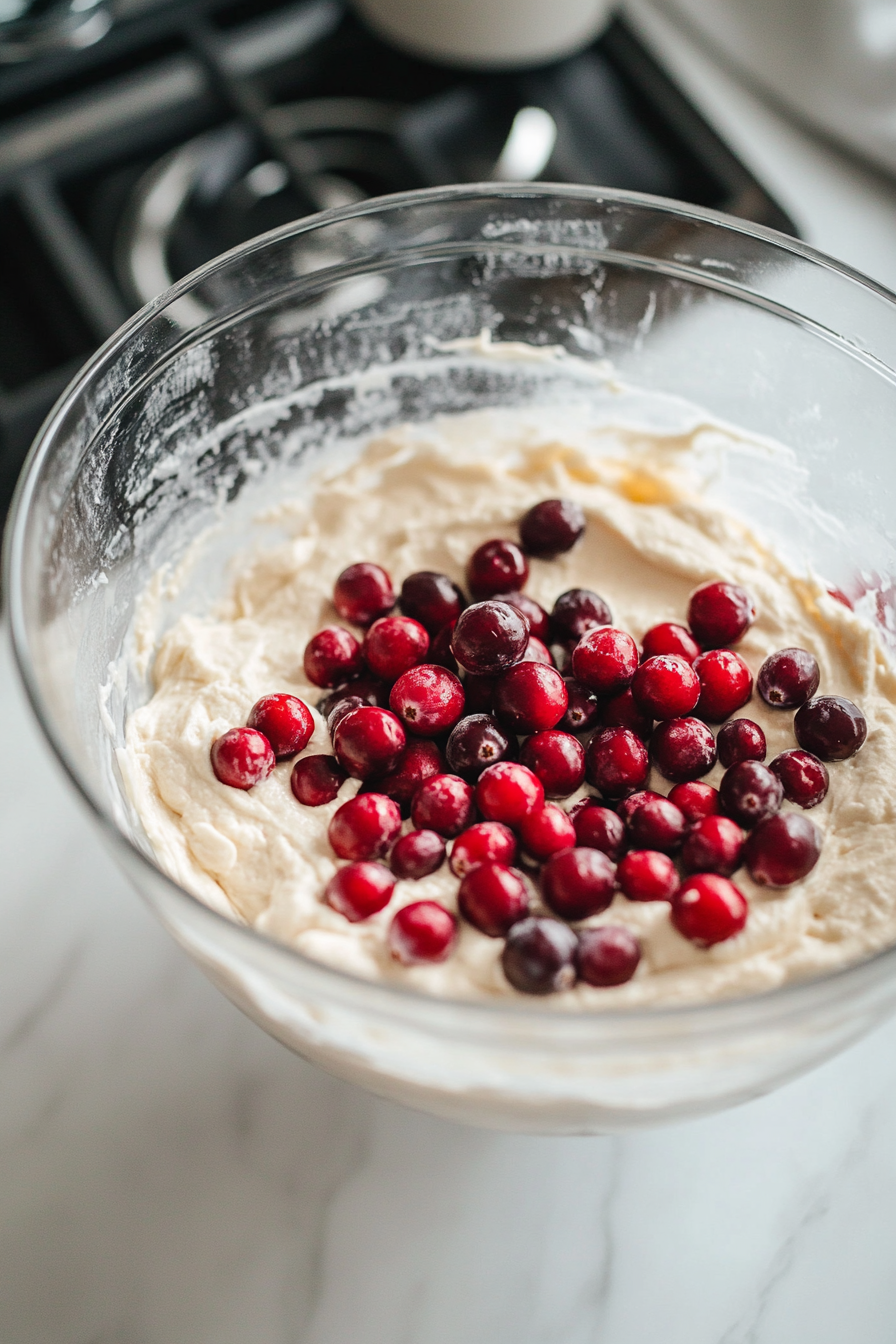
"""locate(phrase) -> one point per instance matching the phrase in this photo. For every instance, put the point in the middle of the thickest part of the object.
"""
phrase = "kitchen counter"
(168, 1174)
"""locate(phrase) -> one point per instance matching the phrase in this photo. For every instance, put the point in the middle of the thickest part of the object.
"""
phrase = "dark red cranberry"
(364, 827)
(597, 827)
(286, 722)
(363, 593)
(695, 800)
(359, 890)
(720, 613)
(782, 849)
(432, 599)
(536, 652)
(577, 883)
(440, 649)
(621, 711)
(242, 758)
(479, 693)
(740, 740)
(831, 727)
(492, 898)
(657, 824)
(628, 807)
(530, 697)
(583, 709)
(393, 644)
(665, 687)
(420, 760)
(417, 854)
(607, 956)
(496, 567)
(683, 749)
(537, 617)
(539, 956)
(489, 637)
(708, 908)
(316, 780)
(546, 830)
(749, 793)
(558, 759)
(486, 842)
(713, 845)
(337, 710)
(369, 690)
(476, 742)
(331, 656)
(507, 791)
(577, 611)
(369, 742)
(422, 931)
(616, 762)
(552, 527)
(428, 700)
(670, 638)
(605, 660)
(726, 684)
(444, 804)
(804, 778)
(788, 678)
(647, 875)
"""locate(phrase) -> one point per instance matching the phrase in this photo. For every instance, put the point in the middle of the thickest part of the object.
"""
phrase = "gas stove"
(191, 127)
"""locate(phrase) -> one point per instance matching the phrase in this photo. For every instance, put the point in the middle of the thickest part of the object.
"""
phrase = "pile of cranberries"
(472, 720)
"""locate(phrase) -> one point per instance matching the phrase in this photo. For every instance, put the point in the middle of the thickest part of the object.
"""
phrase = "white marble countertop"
(169, 1175)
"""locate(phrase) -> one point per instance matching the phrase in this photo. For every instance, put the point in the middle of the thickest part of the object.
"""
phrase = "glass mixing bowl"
(227, 390)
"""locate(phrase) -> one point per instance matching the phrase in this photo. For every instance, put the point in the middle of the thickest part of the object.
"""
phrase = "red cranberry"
(831, 727)
(422, 931)
(496, 567)
(242, 758)
(331, 656)
(316, 780)
(558, 759)
(420, 760)
(362, 593)
(605, 660)
(545, 831)
(364, 827)
(713, 845)
(665, 687)
(507, 791)
(782, 849)
(479, 693)
(444, 804)
(577, 883)
(577, 611)
(432, 599)
(607, 956)
(695, 800)
(670, 638)
(417, 854)
(597, 827)
(428, 700)
(536, 652)
(369, 690)
(369, 741)
(708, 909)
(616, 762)
(530, 698)
(740, 740)
(647, 875)
(628, 807)
(683, 749)
(486, 842)
(621, 711)
(804, 778)
(788, 678)
(537, 617)
(583, 709)
(726, 684)
(489, 637)
(360, 890)
(551, 528)
(539, 956)
(339, 708)
(720, 613)
(286, 722)
(657, 824)
(749, 793)
(393, 644)
(492, 898)
(440, 649)
(476, 742)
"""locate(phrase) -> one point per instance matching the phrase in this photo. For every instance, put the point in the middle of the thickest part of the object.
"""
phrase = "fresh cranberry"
(782, 849)
(440, 649)
(683, 749)
(420, 760)
(726, 684)
(749, 793)
(577, 883)
(507, 791)
(360, 890)
(242, 758)
(740, 740)
(558, 759)
(369, 741)
(444, 804)
(605, 660)
(496, 567)
(286, 722)
(583, 709)
(432, 599)
(607, 956)
(492, 898)
(616, 762)
(362, 593)
(695, 800)
(622, 711)
(539, 956)
(428, 700)
(331, 656)
(545, 831)
(316, 780)
(788, 678)
(672, 639)
(417, 854)
(393, 644)
(577, 611)
(479, 693)
(720, 613)
(530, 698)
(476, 742)
(338, 709)
(665, 687)
(647, 875)
(708, 908)
(597, 827)
(627, 808)
(536, 652)
(364, 827)
(831, 727)
(369, 690)
(713, 845)
(551, 528)
(486, 842)
(804, 778)
(657, 824)
(537, 617)
(489, 637)
(422, 931)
